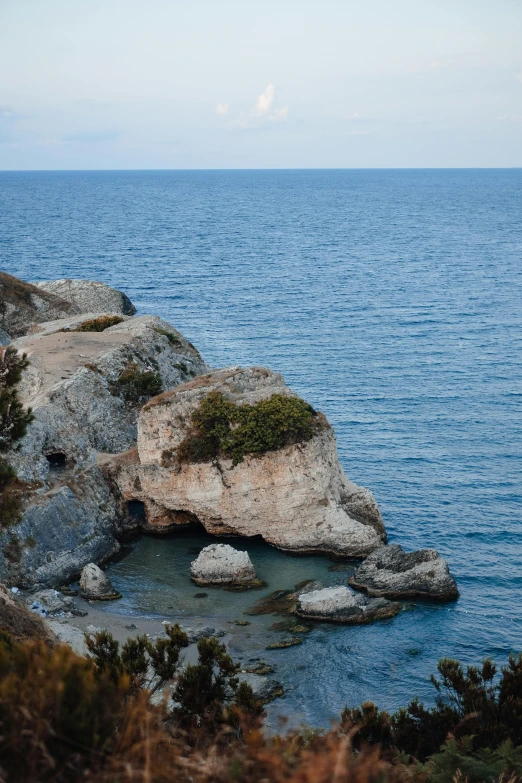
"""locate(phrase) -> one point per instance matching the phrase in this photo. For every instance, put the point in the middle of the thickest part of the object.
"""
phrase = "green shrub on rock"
(98, 324)
(136, 385)
(220, 427)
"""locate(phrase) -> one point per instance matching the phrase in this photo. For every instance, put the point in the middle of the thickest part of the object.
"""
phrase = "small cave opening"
(136, 509)
(57, 460)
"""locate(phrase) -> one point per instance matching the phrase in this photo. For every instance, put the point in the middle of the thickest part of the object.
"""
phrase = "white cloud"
(265, 101)
(265, 107)
(222, 109)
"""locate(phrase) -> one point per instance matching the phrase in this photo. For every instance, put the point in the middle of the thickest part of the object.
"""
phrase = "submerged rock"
(284, 643)
(221, 564)
(95, 585)
(296, 497)
(393, 573)
(265, 689)
(342, 605)
(89, 296)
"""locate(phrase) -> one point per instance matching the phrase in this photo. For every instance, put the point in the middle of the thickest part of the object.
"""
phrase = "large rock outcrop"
(23, 305)
(89, 296)
(393, 573)
(296, 497)
(86, 389)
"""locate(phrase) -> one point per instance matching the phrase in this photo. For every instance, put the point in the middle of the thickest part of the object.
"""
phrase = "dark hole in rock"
(136, 509)
(56, 460)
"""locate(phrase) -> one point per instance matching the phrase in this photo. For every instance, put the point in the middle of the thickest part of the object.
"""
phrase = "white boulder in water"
(221, 564)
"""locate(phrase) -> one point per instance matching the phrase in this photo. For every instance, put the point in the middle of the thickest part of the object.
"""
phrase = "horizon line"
(278, 168)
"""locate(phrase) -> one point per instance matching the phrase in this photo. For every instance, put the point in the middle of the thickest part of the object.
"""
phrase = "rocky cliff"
(86, 389)
(295, 496)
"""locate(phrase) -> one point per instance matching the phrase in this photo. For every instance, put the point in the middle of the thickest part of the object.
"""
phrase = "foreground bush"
(64, 718)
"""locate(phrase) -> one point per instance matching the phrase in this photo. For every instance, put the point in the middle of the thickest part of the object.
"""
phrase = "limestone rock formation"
(23, 305)
(85, 389)
(89, 296)
(296, 497)
(95, 585)
(342, 605)
(393, 573)
(221, 564)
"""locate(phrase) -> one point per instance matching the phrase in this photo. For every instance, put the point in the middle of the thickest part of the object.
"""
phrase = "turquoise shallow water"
(391, 300)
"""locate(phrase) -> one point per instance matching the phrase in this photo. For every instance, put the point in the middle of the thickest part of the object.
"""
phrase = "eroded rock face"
(393, 573)
(296, 498)
(23, 305)
(5, 338)
(89, 296)
(342, 605)
(221, 564)
(95, 585)
(80, 410)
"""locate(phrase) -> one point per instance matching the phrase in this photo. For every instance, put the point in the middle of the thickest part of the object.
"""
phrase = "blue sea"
(389, 299)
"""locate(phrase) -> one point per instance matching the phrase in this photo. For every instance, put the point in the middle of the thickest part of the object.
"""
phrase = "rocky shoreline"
(133, 432)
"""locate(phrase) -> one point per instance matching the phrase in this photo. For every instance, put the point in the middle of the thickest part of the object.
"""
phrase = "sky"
(184, 84)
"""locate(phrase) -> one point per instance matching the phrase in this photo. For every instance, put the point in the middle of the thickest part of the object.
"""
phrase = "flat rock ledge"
(221, 564)
(392, 573)
(342, 605)
(95, 585)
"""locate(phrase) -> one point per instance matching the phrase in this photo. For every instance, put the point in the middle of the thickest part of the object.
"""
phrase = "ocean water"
(390, 300)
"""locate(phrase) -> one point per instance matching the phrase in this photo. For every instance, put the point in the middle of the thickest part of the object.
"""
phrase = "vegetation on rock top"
(136, 385)
(220, 427)
(98, 324)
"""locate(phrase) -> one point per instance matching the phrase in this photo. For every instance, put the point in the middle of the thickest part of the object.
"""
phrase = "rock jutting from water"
(221, 564)
(95, 585)
(294, 494)
(342, 605)
(392, 573)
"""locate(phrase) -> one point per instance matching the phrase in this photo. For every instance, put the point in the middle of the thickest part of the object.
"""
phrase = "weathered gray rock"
(51, 602)
(95, 585)
(23, 305)
(393, 573)
(207, 632)
(89, 296)
(5, 338)
(296, 498)
(221, 564)
(342, 605)
(265, 689)
(70, 515)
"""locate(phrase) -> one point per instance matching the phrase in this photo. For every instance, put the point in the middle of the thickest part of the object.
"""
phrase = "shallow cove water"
(390, 300)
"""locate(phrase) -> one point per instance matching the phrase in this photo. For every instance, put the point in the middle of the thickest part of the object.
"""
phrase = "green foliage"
(458, 761)
(135, 385)
(203, 689)
(471, 707)
(149, 665)
(14, 420)
(218, 426)
(173, 339)
(98, 324)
